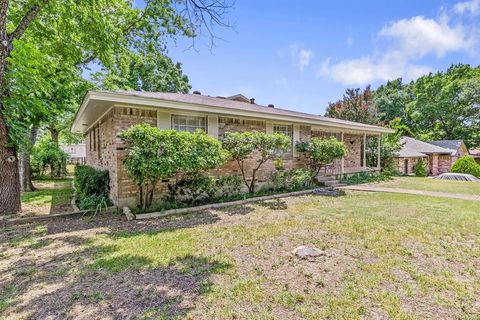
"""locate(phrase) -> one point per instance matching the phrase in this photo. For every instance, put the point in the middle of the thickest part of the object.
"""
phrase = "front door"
(405, 167)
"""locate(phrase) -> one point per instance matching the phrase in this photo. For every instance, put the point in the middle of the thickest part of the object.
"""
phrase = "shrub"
(242, 145)
(154, 154)
(420, 168)
(92, 187)
(364, 177)
(192, 190)
(47, 155)
(294, 179)
(467, 164)
(322, 152)
(228, 186)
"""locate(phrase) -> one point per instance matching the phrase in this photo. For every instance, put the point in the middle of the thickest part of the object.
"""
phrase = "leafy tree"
(154, 154)
(322, 152)
(391, 100)
(144, 71)
(46, 154)
(356, 106)
(243, 145)
(77, 33)
(446, 105)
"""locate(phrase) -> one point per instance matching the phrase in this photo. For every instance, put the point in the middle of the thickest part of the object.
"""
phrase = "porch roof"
(413, 148)
(96, 103)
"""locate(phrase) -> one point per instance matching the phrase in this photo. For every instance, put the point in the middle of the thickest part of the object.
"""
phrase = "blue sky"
(302, 54)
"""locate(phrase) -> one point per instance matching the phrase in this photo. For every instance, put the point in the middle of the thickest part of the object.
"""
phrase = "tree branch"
(27, 19)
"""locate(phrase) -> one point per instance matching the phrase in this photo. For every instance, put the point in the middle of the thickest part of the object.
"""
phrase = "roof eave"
(158, 102)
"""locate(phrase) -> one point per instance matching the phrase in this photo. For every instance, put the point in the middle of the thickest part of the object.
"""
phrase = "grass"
(391, 256)
(51, 196)
(429, 184)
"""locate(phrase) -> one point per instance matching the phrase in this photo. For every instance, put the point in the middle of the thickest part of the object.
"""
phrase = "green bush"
(154, 154)
(192, 190)
(294, 179)
(228, 186)
(46, 157)
(420, 169)
(467, 164)
(322, 152)
(92, 187)
(364, 177)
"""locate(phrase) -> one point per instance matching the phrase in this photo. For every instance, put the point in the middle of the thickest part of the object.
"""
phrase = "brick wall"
(401, 164)
(109, 152)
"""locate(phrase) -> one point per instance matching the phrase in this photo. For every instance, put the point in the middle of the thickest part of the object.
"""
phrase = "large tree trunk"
(24, 164)
(9, 179)
(54, 133)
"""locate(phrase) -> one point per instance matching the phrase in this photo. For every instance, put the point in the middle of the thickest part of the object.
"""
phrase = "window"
(286, 130)
(188, 123)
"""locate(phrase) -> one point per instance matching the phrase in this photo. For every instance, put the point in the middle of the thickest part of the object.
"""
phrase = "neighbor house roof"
(448, 144)
(413, 148)
(96, 103)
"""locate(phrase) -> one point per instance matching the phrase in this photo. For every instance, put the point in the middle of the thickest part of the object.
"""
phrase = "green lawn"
(51, 196)
(429, 184)
(390, 256)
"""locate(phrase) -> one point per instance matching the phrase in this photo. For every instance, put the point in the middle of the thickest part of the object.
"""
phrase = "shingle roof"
(448, 144)
(416, 148)
(236, 105)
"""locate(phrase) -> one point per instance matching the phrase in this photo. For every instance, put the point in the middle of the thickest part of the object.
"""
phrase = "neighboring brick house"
(440, 154)
(104, 115)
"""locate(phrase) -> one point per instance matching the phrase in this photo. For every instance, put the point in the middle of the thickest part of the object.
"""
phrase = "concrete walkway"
(373, 188)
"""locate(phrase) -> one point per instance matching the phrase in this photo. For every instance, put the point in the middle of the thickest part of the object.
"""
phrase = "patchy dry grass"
(386, 256)
(429, 184)
(51, 196)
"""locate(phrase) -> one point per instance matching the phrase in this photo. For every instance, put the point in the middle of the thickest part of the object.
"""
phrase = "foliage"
(356, 106)
(47, 155)
(154, 154)
(420, 168)
(192, 190)
(288, 180)
(364, 177)
(467, 164)
(322, 152)
(391, 100)
(143, 71)
(228, 186)
(92, 187)
(242, 145)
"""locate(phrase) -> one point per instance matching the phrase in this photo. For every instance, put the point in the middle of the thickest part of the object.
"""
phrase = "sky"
(300, 55)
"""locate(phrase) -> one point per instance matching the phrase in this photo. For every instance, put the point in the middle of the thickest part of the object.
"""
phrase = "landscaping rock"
(330, 192)
(128, 213)
(305, 252)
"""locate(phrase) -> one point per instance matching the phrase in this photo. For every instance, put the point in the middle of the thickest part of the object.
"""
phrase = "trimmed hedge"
(92, 187)
(467, 164)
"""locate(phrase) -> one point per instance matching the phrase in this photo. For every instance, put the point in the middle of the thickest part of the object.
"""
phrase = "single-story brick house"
(440, 154)
(103, 115)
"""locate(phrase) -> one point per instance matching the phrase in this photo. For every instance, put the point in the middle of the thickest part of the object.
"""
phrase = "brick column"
(365, 151)
(435, 164)
(342, 163)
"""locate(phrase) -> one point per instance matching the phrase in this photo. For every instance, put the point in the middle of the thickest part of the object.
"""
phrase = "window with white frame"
(189, 123)
(286, 130)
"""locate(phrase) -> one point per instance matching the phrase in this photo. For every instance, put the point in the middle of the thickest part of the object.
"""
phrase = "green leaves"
(322, 152)
(154, 154)
(242, 145)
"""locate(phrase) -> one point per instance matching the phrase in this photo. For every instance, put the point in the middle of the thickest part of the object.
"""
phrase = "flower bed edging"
(170, 212)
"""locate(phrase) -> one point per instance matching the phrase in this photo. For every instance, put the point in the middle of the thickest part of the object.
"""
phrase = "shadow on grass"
(274, 204)
(98, 281)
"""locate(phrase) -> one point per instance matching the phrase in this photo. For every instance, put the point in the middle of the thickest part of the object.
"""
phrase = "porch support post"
(378, 150)
(364, 151)
(342, 161)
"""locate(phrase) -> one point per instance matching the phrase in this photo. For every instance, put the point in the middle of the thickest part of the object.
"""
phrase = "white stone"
(304, 252)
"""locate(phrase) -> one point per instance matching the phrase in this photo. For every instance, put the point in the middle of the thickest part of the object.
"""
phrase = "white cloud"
(405, 42)
(418, 36)
(301, 57)
(472, 7)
